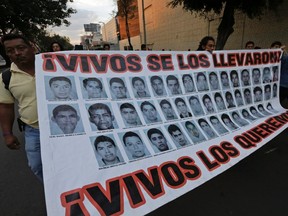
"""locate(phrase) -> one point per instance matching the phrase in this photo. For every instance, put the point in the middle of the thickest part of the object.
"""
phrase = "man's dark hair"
(172, 77)
(134, 79)
(130, 134)
(59, 78)
(85, 81)
(98, 106)
(153, 131)
(249, 42)
(127, 105)
(162, 102)
(55, 42)
(204, 42)
(103, 139)
(186, 75)
(117, 80)
(276, 43)
(177, 100)
(146, 103)
(153, 78)
(143, 47)
(257, 88)
(61, 108)
(201, 74)
(206, 97)
(173, 128)
(13, 37)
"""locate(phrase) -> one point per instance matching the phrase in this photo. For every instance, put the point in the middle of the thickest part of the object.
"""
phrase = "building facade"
(168, 28)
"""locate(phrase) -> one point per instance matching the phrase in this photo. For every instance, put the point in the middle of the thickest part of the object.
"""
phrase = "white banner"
(123, 133)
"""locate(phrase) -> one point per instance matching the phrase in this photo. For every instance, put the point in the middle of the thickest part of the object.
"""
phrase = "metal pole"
(144, 24)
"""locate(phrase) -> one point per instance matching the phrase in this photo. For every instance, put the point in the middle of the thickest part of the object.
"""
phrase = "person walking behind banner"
(55, 47)
(21, 53)
(207, 43)
(249, 45)
(283, 73)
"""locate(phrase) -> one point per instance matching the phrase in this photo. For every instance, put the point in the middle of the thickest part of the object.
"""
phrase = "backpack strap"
(6, 76)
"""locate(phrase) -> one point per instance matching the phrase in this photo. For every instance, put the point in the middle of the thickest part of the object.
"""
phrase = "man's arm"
(7, 116)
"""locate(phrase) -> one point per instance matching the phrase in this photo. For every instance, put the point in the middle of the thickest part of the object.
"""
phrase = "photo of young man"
(93, 88)
(167, 110)
(61, 88)
(65, 120)
(134, 146)
(101, 117)
(178, 136)
(107, 153)
(158, 140)
(194, 133)
(129, 115)
(158, 86)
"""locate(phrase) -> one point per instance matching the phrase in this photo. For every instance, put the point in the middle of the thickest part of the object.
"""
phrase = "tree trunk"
(128, 32)
(225, 28)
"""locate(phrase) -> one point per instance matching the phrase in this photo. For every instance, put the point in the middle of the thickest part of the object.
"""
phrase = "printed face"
(139, 86)
(130, 116)
(61, 89)
(188, 84)
(67, 121)
(193, 130)
(225, 80)
(173, 86)
(168, 111)
(266, 74)
(135, 146)
(258, 96)
(256, 76)
(220, 103)
(206, 127)
(159, 141)
(93, 89)
(245, 78)
(239, 99)
(102, 119)
(230, 100)
(247, 96)
(158, 87)
(118, 90)
(150, 113)
(201, 83)
(108, 152)
(179, 138)
(235, 80)
(267, 93)
(275, 74)
(208, 104)
(196, 106)
(19, 52)
(214, 81)
(182, 107)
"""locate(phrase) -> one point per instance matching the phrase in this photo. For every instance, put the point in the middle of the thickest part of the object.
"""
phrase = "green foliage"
(44, 41)
(32, 16)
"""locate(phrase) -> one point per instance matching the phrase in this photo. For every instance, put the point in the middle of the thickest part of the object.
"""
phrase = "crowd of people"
(22, 88)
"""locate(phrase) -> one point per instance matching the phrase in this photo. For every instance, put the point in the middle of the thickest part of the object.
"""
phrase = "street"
(255, 186)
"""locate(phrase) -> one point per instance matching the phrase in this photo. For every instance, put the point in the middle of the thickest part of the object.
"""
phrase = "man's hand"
(12, 142)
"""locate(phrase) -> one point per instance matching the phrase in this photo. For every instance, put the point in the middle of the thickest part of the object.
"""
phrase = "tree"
(44, 41)
(253, 9)
(126, 9)
(31, 17)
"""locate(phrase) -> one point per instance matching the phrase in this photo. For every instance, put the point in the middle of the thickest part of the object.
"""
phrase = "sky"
(88, 11)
